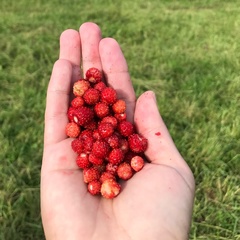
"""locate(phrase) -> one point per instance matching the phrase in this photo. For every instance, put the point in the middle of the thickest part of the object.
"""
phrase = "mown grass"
(188, 52)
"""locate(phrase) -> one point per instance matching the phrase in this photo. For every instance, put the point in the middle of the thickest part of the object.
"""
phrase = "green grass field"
(188, 52)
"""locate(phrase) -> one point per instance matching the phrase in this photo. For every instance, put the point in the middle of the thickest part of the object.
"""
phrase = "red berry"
(110, 188)
(113, 141)
(123, 145)
(119, 106)
(92, 125)
(77, 102)
(124, 171)
(87, 133)
(109, 95)
(100, 149)
(91, 96)
(120, 116)
(77, 146)
(106, 175)
(100, 86)
(94, 187)
(80, 87)
(83, 115)
(70, 113)
(110, 119)
(125, 128)
(88, 144)
(105, 129)
(72, 130)
(137, 143)
(94, 75)
(90, 174)
(82, 161)
(111, 168)
(101, 110)
(95, 160)
(128, 156)
(137, 163)
(116, 156)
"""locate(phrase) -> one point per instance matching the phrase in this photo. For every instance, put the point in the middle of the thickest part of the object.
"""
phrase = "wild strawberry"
(137, 163)
(100, 86)
(87, 133)
(100, 149)
(124, 171)
(90, 174)
(95, 160)
(80, 87)
(111, 168)
(94, 187)
(77, 102)
(119, 106)
(72, 130)
(91, 96)
(96, 135)
(110, 119)
(70, 113)
(83, 115)
(120, 116)
(125, 128)
(110, 188)
(105, 129)
(128, 156)
(82, 161)
(123, 145)
(109, 95)
(137, 143)
(92, 125)
(94, 75)
(106, 175)
(116, 156)
(88, 144)
(77, 146)
(113, 140)
(101, 109)
(101, 167)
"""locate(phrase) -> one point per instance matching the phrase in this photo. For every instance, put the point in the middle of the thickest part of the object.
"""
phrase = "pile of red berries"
(108, 146)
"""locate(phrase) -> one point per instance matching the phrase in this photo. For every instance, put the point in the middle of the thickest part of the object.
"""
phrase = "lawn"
(188, 52)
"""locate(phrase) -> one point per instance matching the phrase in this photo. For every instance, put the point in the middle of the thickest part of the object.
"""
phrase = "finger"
(90, 35)
(70, 49)
(116, 73)
(57, 102)
(161, 148)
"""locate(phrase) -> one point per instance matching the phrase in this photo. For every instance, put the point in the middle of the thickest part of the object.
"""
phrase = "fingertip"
(89, 25)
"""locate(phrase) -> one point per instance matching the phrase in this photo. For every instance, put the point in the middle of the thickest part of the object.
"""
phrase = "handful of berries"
(108, 146)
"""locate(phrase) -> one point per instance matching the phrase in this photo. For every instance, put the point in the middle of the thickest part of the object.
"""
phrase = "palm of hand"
(155, 204)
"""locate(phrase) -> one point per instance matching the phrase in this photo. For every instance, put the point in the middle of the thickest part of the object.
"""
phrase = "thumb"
(161, 148)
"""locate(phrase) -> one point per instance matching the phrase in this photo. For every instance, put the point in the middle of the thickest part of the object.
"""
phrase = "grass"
(188, 52)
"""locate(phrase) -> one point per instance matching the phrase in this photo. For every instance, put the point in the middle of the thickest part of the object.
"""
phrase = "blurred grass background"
(188, 52)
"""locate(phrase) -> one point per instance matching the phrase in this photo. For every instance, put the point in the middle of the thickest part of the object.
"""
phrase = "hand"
(156, 203)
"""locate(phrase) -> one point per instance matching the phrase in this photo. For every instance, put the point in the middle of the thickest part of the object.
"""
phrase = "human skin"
(156, 203)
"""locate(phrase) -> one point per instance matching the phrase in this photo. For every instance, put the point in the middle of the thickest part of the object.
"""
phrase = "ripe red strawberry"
(72, 130)
(113, 140)
(87, 133)
(83, 115)
(70, 113)
(110, 189)
(90, 174)
(91, 96)
(95, 160)
(88, 144)
(105, 129)
(94, 75)
(82, 161)
(96, 135)
(101, 109)
(125, 128)
(100, 149)
(109, 95)
(119, 106)
(77, 102)
(110, 119)
(101, 168)
(120, 116)
(116, 156)
(137, 143)
(80, 87)
(124, 171)
(100, 86)
(111, 168)
(137, 163)
(128, 156)
(94, 187)
(92, 125)
(77, 146)
(123, 145)
(106, 175)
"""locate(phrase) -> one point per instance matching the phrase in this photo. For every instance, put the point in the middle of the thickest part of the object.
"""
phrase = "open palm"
(156, 203)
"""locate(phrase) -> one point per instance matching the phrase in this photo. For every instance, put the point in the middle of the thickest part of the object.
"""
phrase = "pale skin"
(156, 203)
